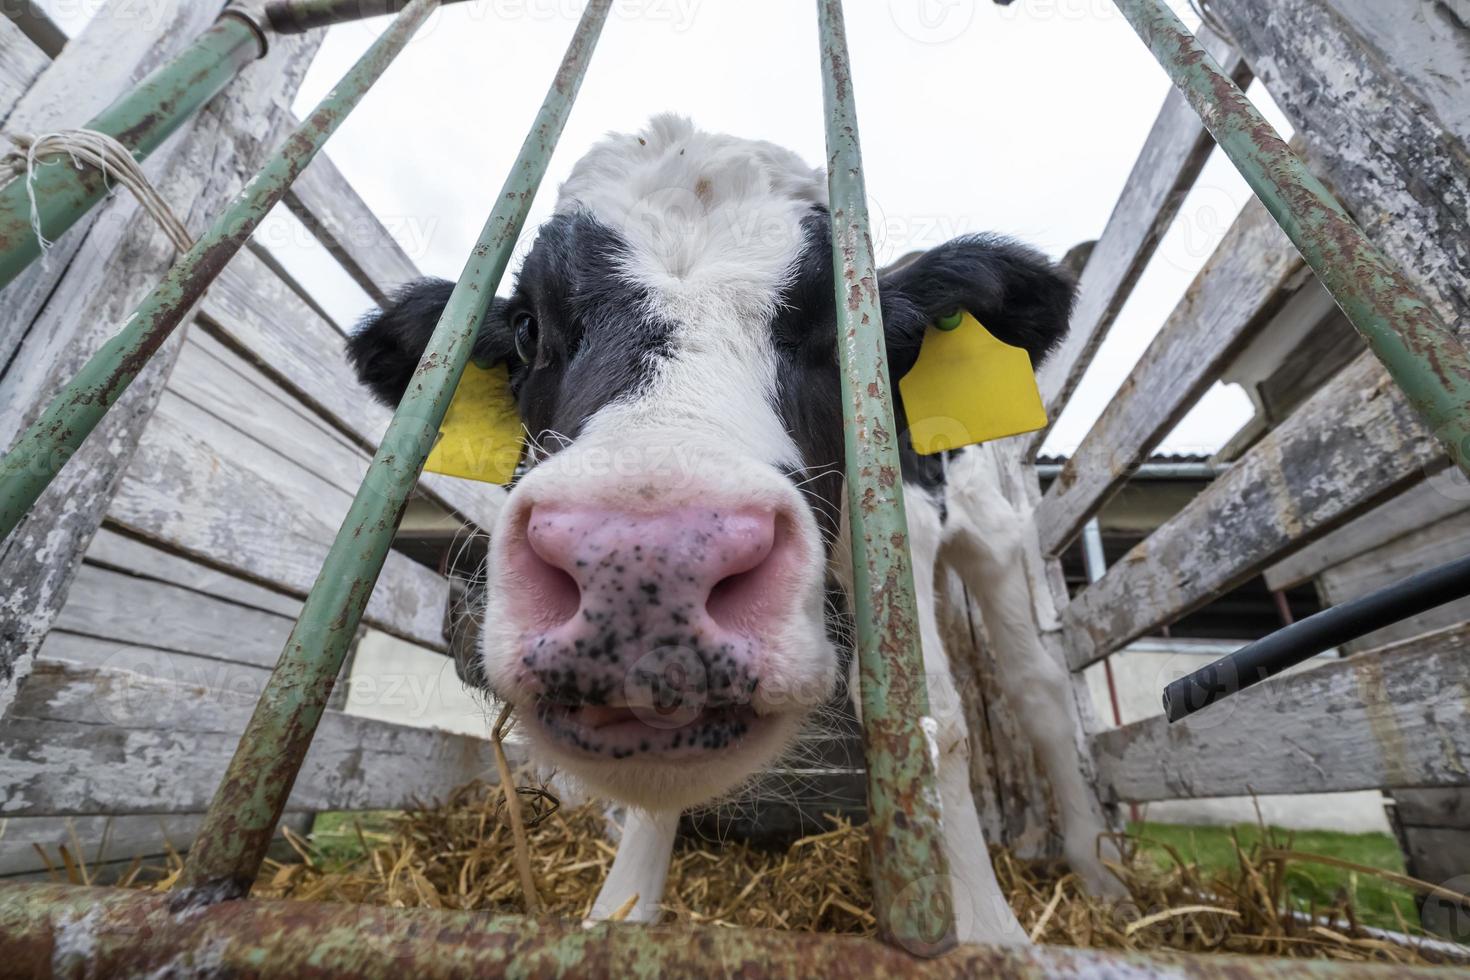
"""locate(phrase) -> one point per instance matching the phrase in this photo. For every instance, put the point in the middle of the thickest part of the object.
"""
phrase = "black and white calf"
(657, 579)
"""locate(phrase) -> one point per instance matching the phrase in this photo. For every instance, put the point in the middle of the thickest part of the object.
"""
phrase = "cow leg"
(984, 538)
(640, 867)
(982, 914)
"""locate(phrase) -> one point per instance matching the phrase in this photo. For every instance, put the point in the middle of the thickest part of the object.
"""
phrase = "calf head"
(657, 577)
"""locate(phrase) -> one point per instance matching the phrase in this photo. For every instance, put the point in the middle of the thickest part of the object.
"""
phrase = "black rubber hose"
(1306, 638)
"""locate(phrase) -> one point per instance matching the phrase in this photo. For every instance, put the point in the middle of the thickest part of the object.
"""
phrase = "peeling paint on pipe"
(911, 882)
(237, 830)
(141, 120)
(63, 930)
(44, 448)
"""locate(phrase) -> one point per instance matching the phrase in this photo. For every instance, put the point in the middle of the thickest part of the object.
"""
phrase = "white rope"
(89, 148)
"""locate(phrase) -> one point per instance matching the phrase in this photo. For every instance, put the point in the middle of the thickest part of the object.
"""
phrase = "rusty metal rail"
(153, 110)
(61, 930)
(141, 120)
(911, 882)
(233, 839)
(46, 446)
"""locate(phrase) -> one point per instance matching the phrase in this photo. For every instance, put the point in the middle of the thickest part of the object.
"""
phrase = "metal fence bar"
(299, 16)
(1422, 353)
(237, 830)
(49, 442)
(141, 120)
(68, 930)
(911, 886)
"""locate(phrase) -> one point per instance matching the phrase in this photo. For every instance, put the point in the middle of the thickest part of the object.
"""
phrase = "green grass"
(1375, 899)
(334, 835)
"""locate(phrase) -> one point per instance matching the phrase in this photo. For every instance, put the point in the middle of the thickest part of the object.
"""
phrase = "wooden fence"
(200, 515)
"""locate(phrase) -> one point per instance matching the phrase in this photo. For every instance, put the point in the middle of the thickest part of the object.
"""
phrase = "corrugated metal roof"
(1056, 459)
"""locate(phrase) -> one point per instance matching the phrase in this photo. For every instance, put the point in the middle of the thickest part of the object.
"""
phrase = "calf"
(657, 578)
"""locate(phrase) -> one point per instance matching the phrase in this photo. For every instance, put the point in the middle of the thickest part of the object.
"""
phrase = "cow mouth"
(621, 732)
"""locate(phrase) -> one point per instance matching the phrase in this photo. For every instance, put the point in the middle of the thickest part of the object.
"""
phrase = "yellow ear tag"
(480, 438)
(968, 387)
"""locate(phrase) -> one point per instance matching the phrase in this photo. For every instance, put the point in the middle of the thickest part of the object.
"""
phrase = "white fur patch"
(713, 226)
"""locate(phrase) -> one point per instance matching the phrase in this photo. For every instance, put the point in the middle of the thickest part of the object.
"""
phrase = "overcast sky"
(975, 117)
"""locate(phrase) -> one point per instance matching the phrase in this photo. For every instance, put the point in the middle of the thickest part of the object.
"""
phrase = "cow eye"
(526, 334)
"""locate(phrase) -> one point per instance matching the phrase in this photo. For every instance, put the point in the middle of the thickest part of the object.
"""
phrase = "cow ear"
(388, 343)
(1017, 293)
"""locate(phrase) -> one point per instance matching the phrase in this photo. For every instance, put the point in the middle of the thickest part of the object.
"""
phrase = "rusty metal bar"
(64, 930)
(49, 443)
(141, 120)
(299, 16)
(237, 830)
(1422, 353)
(911, 882)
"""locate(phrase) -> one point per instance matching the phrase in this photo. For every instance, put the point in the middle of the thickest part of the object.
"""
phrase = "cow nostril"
(738, 601)
(555, 594)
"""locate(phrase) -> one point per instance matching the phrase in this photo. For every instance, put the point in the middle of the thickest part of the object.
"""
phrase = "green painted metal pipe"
(911, 884)
(237, 830)
(45, 447)
(55, 930)
(299, 16)
(1422, 353)
(141, 120)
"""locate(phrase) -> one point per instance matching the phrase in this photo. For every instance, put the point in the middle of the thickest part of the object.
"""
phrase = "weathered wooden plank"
(1433, 544)
(109, 844)
(1426, 41)
(118, 607)
(1397, 717)
(1353, 443)
(215, 379)
(269, 260)
(205, 669)
(1421, 505)
(1244, 283)
(264, 320)
(341, 220)
(111, 549)
(1171, 160)
(1329, 346)
(206, 489)
(1370, 127)
(108, 276)
(21, 63)
(1437, 854)
(81, 742)
(1444, 808)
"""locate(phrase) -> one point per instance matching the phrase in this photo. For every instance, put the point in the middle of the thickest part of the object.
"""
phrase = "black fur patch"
(387, 344)
(600, 340)
(1015, 291)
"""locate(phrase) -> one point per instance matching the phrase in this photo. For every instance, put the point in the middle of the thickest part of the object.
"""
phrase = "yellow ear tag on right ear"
(481, 436)
(967, 387)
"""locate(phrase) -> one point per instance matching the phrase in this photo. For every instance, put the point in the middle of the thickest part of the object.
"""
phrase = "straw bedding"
(462, 854)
